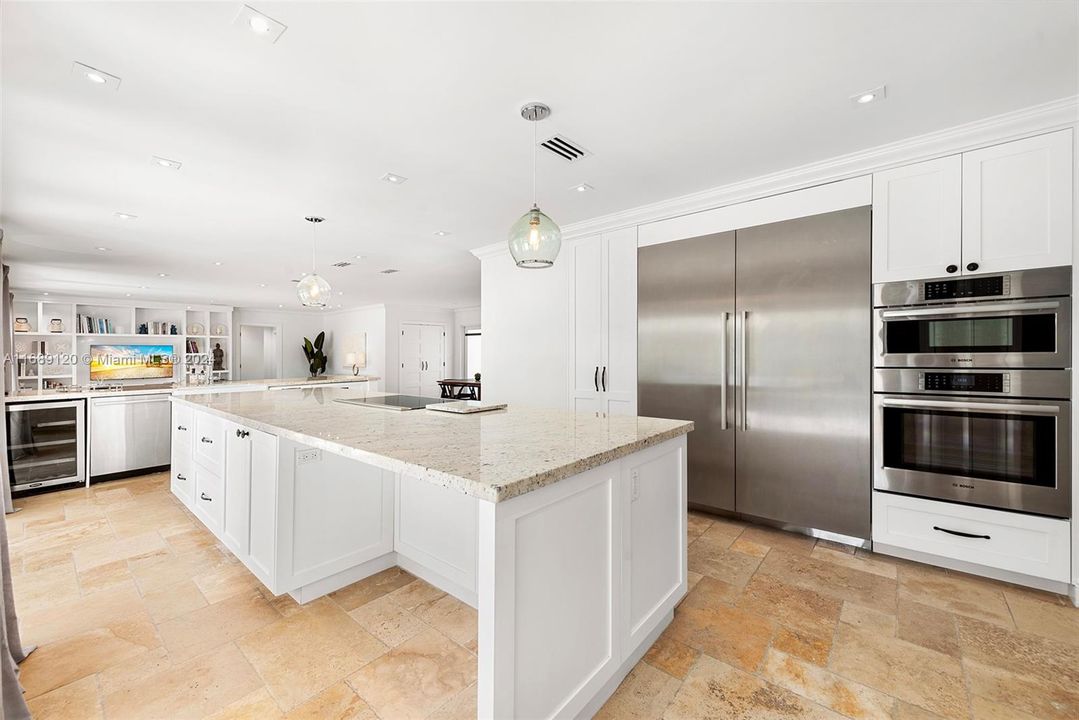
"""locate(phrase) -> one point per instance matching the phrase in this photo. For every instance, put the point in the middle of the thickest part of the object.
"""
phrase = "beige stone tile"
(110, 494)
(198, 631)
(226, 580)
(173, 601)
(155, 572)
(415, 678)
(869, 565)
(1023, 653)
(143, 545)
(923, 677)
(257, 705)
(139, 518)
(308, 651)
(826, 688)
(193, 689)
(43, 588)
(337, 702)
(1045, 618)
(697, 523)
(415, 595)
(796, 607)
(692, 578)
(813, 648)
(366, 590)
(748, 547)
(869, 619)
(788, 542)
(60, 539)
(906, 711)
(725, 526)
(108, 607)
(1025, 692)
(927, 626)
(388, 621)
(671, 656)
(59, 663)
(452, 618)
(705, 622)
(836, 546)
(283, 603)
(462, 706)
(714, 689)
(985, 709)
(105, 576)
(76, 701)
(134, 670)
(954, 594)
(712, 557)
(828, 578)
(643, 695)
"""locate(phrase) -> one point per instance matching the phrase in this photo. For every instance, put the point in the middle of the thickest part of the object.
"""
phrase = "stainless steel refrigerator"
(761, 336)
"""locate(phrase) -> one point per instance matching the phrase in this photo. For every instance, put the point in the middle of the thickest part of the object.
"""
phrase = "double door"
(761, 336)
(423, 359)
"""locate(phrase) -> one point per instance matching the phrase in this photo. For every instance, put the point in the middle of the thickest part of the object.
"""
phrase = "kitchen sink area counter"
(566, 531)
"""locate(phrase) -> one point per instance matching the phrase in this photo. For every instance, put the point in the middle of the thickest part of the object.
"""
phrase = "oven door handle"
(952, 310)
(989, 407)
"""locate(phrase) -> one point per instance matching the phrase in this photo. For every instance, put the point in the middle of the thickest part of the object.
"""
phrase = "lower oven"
(999, 439)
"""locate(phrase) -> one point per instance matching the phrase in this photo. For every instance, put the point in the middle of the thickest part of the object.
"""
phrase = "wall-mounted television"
(130, 362)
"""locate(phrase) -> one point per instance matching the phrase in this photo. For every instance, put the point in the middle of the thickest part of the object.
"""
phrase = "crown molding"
(1033, 120)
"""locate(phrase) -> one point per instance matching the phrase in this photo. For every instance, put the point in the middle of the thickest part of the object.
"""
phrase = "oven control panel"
(962, 288)
(966, 382)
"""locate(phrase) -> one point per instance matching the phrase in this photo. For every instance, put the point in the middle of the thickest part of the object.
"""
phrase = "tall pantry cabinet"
(603, 323)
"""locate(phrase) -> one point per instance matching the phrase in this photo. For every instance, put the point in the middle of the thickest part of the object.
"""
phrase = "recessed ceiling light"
(102, 249)
(260, 24)
(162, 274)
(442, 233)
(44, 293)
(583, 187)
(95, 76)
(262, 284)
(867, 96)
(217, 263)
(280, 306)
(127, 294)
(124, 216)
(165, 162)
(358, 257)
(144, 287)
(394, 179)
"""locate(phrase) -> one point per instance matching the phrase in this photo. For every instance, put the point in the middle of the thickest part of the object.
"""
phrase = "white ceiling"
(670, 97)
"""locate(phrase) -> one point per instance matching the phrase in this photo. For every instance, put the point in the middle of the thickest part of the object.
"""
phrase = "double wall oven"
(972, 390)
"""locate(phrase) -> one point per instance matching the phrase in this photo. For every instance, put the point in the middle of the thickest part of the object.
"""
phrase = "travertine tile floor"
(139, 613)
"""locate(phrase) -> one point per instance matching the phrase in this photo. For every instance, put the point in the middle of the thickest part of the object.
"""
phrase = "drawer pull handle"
(181, 427)
(207, 499)
(961, 534)
(242, 433)
(208, 440)
(180, 477)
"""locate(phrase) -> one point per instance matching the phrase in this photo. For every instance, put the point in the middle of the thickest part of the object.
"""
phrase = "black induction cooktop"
(395, 402)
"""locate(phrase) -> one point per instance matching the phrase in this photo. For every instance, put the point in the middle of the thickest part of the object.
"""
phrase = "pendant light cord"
(534, 123)
(314, 226)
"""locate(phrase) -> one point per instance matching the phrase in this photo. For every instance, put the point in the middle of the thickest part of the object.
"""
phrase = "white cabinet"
(603, 324)
(423, 359)
(237, 488)
(208, 442)
(917, 218)
(1017, 204)
(181, 471)
(1000, 208)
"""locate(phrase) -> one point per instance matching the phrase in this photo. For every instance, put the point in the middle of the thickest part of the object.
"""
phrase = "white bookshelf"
(212, 325)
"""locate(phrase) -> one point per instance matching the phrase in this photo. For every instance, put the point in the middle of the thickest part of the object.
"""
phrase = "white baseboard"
(1054, 586)
(469, 597)
(327, 585)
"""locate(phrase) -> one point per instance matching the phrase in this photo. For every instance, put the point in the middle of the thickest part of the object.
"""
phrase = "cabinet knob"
(972, 266)
(181, 427)
(242, 433)
(952, 269)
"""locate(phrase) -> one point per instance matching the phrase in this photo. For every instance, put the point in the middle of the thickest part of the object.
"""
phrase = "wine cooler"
(46, 444)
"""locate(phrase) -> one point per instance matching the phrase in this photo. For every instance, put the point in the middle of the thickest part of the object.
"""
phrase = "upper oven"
(1013, 320)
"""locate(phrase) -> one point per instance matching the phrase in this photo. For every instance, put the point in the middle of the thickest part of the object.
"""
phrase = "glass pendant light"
(535, 239)
(313, 290)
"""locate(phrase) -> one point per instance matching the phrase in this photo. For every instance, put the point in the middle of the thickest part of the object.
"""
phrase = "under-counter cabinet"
(1000, 208)
(603, 324)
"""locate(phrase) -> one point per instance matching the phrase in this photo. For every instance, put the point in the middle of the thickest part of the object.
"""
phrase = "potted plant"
(316, 359)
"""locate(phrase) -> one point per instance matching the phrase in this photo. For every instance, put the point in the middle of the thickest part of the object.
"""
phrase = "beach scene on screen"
(127, 362)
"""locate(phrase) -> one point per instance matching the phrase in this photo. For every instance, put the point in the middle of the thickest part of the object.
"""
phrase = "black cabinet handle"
(961, 534)
(181, 427)
(972, 266)
(208, 440)
(180, 477)
(952, 269)
(207, 499)
(595, 378)
(604, 378)
(242, 433)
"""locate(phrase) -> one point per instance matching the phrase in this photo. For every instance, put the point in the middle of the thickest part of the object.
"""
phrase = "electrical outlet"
(635, 486)
(309, 455)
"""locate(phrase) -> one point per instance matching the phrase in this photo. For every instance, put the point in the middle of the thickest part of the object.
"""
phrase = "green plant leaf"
(320, 340)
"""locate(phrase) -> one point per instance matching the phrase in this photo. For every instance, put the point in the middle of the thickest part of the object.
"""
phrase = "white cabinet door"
(262, 504)
(237, 488)
(409, 379)
(618, 374)
(1017, 204)
(432, 359)
(586, 328)
(917, 216)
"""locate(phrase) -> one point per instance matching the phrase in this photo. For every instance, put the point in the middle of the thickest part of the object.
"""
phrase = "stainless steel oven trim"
(1040, 282)
(1048, 384)
(1054, 502)
(1059, 359)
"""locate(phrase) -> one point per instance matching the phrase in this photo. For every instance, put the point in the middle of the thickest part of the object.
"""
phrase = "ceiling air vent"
(388, 271)
(564, 148)
(343, 263)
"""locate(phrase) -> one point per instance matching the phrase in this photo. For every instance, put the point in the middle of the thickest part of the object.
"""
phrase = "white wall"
(292, 327)
(462, 318)
(397, 314)
(343, 324)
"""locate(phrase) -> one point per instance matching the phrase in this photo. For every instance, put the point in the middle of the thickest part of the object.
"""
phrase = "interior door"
(685, 310)
(432, 359)
(586, 348)
(411, 360)
(804, 372)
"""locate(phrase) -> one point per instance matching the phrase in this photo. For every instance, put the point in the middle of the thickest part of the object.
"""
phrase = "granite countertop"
(226, 385)
(493, 456)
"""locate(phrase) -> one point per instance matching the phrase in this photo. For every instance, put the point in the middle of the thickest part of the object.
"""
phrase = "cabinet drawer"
(182, 425)
(208, 442)
(210, 499)
(1026, 544)
(182, 476)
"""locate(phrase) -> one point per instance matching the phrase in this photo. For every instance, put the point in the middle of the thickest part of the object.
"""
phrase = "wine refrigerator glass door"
(46, 444)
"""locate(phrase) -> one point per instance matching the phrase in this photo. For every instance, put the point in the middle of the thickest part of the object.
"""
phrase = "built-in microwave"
(1012, 320)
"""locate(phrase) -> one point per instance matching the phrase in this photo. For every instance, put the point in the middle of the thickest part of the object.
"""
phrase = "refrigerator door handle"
(723, 371)
(595, 378)
(604, 378)
(743, 373)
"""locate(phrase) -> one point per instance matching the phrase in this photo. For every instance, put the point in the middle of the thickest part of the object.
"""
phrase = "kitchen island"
(566, 531)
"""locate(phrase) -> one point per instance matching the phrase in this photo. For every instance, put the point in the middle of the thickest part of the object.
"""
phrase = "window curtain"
(12, 703)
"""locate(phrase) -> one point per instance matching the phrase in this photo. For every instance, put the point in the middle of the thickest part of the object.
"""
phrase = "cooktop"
(395, 402)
